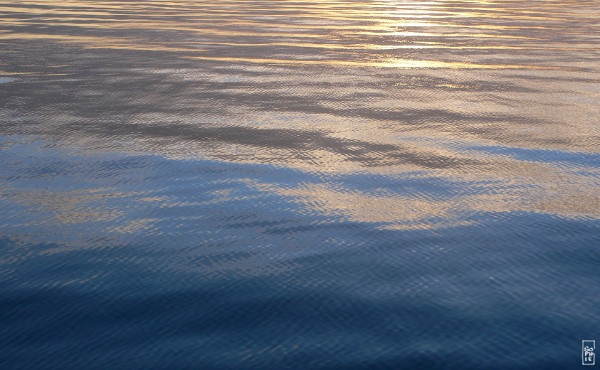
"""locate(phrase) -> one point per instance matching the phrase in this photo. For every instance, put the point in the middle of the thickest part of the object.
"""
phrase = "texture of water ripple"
(299, 184)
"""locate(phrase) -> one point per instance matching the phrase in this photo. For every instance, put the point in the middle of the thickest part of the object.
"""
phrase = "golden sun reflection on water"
(386, 87)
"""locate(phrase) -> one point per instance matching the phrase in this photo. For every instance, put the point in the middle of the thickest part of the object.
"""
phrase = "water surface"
(299, 184)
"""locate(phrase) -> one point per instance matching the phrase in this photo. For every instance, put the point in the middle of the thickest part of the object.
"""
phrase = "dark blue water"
(272, 185)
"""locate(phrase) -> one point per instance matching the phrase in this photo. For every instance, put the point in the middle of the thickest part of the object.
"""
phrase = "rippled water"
(299, 184)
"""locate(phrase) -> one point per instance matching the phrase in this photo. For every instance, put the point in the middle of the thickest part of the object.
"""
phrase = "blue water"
(303, 185)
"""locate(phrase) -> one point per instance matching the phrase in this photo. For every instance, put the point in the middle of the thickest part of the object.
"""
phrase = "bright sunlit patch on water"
(392, 63)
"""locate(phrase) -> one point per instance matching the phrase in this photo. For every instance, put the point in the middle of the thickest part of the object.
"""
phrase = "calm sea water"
(299, 184)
